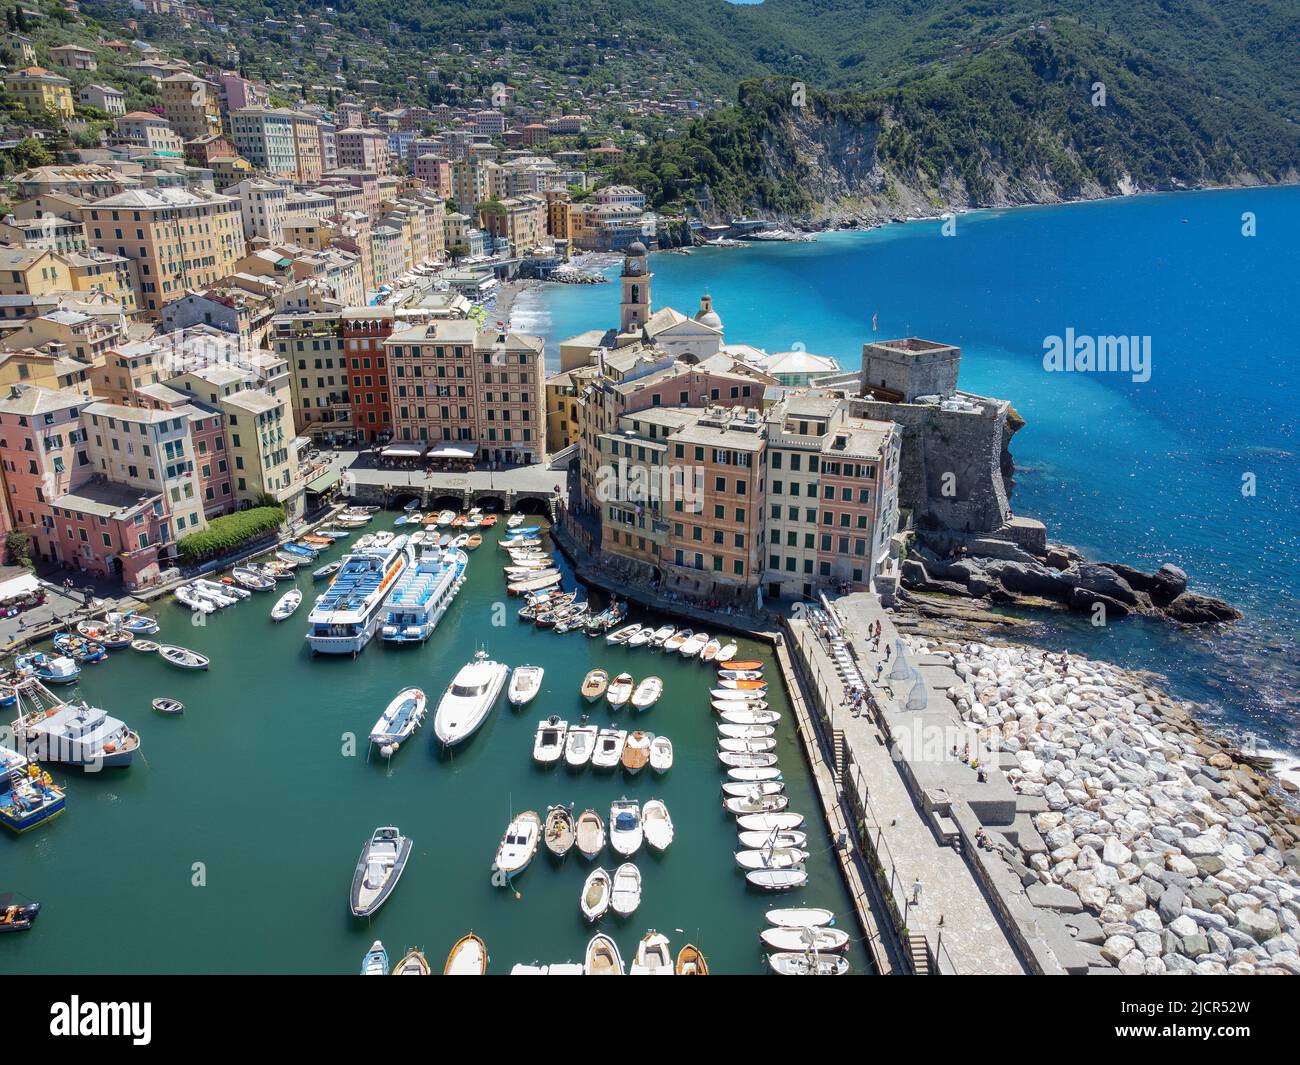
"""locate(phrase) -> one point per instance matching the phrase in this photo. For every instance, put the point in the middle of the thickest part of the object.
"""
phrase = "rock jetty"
(1163, 848)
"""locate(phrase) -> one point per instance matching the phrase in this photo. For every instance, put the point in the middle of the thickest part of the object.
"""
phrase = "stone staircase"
(918, 955)
(838, 751)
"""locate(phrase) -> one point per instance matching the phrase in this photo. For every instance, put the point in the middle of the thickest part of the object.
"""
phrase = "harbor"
(244, 812)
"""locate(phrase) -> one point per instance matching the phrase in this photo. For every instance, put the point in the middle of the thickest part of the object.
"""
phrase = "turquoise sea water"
(1140, 473)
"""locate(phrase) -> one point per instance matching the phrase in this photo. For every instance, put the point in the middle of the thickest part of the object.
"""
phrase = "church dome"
(706, 315)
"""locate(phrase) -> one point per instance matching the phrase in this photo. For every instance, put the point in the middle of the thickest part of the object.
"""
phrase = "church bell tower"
(635, 308)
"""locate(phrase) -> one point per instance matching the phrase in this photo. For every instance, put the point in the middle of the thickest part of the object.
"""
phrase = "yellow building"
(38, 90)
(32, 272)
(192, 105)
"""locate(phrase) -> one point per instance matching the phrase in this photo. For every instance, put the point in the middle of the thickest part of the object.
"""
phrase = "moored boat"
(746, 759)
(28, 795)
(422, 595)
(625, 829)
(403, 715)
(800, 917)
(621, 636)
(70, 733)
(595, 895)
(469, 957)
(519, 843)
(805, 938)
(286, 605)
(661, 754)
(780, 840)
(609, 748)
(168, 706)
(579, 744)
(74, 645)
(636, 751)
(770, 822)
(52, 669)
(590, 831)
(756, 804)
(693, 644)
(625, 894)
(726, 653)
(647, 693)
(349, 612)
(469, 699)
(559, 832)
(653, 958)
(375, 963)
(602, 957)
(777, 879)
(674, 642)
(594, 685)
(548, 742)
(795, 964)
(382, 862)
(413, 963)
(620, 690)
(525, 683)
(747, 714)
(691, 961)
(182, 657)
(661, 634)
(771, 858)
(657, 825)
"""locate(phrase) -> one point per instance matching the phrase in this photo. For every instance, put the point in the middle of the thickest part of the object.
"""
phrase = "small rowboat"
(414, 963)
(661, 634)
(647, 693)
(769, 822)
(251, 579)
(690, 962)
(661, 754)
(804, 938)
(755, 664)
(753, 685)
(559, 832)
(594, 685)
(745, 732)
(726, 653)
(751, 714)
(636, 751)
(728, 743)
(792, 964)
(595, 895)
(694, 645)
(771, 858)
(777, 879)
(147, 646)
(657, 824)
(746, 759)
(734, 695)
(621, 636)
(710, 650)
(753, 787)
(756, 804)
(591, 834)
(168, 706)
(625, 896)
(769, 772)
(183, 657)
(675, 641)
(800, 917)
(740, 674)
(288, 603)
(78, 647)
(620, 690)
(475, 541)
(758, 840)
(327, 570)
(468, 957)
(603, 958)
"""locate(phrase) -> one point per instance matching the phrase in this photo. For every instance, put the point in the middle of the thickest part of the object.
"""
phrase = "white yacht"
(468, 699)
(347, 614)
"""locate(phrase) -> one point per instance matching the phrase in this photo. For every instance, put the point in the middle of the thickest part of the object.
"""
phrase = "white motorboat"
(737, 695)
(728, 743)
(661, 754)
(745, 732)
(422, 595)
(620, 690)
(595, 895)
(590, 830)
(753, 787)
(189, 596)
(626, 894)
(525, 683)
(800, 917)
(756, 804)
(548, 744)
(625, 830)
(469, 698)
(519, 844)
(603, 958)
(745, 759)
(653, 958)
(694, 644)
(375, 963)
(535, 584)
(609, 748)
(183, 657)
(758, 772)
(769, 822)
(793, 964)
(288, 603)
(657, 825)
(579, 744)
(220, 593)
(647, 693)
(400, 719)
(759, 840)
(805, 938)
(641, 637)
(740, 714)
(621, 636)
(382, 862)
(726, 653)
(253, 580)
(661, 634)
(771, 858)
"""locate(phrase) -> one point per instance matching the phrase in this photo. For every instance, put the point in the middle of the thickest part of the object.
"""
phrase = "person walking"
(916, 892)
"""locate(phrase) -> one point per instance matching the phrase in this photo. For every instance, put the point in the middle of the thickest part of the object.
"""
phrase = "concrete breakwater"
(1161, 847)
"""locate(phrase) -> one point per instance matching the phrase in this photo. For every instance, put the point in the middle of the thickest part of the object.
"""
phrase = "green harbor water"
(229, 845)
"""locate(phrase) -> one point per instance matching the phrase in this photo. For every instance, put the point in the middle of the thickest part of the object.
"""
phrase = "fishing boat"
(796, 964)
(575, 620)
(28, 795)
(770, 822)
(468, 957)
(347, 614)
(18, 918)
(525, 683)
(52, 669)
(675, 642)
(548, 743)
(558, 832)
(755, 746)
(781, 840)
(777, 879)
(74, 645)
(579, 743)
(473, 542)
(595, 895)
(71, 733)
(754, 773)
(661, 754)
(594, 685)
(620, 690)
(800, 917)
(445, 517)
(382, 862)
(138, 624)
(590, 831)
(413, 963)
(327, 570)
(771, 858)
(748, 714)
(286, 605)
(375, 963)
(745, 759)
(653, 958)
(753, 787)
(647, 693)
(625, 831)
(403, 715)
(535, 584)
(690, 961)
(182, 657)
(710, 650)
(661, 634)
(148, 647)
(609, 748)
(746, 665)
(422, 595)
(658, 826)
(331, 533)
(625, 895)
(603, 958)
(517, 543)
(693, 645)
(606, 619)
(110, 636)
(469, 699)
(309, 553)
(805, 938)
(251, 579)
(636, 751)
(745, 732)
(726, 653)
(168, 706)
(519, 843)
(623, 635)
(756, 804)
(283, 558)
(755, 686)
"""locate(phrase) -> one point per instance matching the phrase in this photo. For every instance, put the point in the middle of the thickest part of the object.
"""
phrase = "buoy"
(387, 750)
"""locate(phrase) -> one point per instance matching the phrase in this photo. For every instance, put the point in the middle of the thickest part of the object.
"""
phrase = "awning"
(449, 449)
(19, 585)
(324, 482)
(403, 451)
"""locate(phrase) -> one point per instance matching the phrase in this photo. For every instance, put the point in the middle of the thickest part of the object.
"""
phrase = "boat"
(677, 639)
(745, 732)
(590, 830)
(446, 517)
(641, 637)
(188, 596)
(309, 553)
(518, 543)
(71, 733)
(726, 653)
(519, 844)
(223, 593)
(755, 746)
(559, 832)
(74, 645)
(138, 624)
(609, 748)
(18, 918)
(653, 958)
(761, 787)
(746, 759)
(595, 895)
(709, 651)
(603, 958)
(413, 963)
(382, 862)
(375, 963)
(327, 570)
(625, 896)
(748, 714)
(733, 695)
(283, 558)
(403, 715)
(52, 669)
(690, 961)
(658, 826)
(620, 690)
(777, 879)
(533, 584)
(525, 683)
(752, 773)
(473, 542)
(770, 822)
(548, 744)
(524, 969)
(800, 917)
(168, 706)
(756, 804)
(625, 831)
(349, 612)
(606, 619)
(661, 634)
(183, 657)
(469, 699)
(468, 957)
(287, 604)
(594, 685)
(28, 795)
(330, 533)
(744, 686)
(110, 636)
(805, 938)
(636, 751)
(693, 644)
(771, 858)
(621, 636)
(251, 579)
(579, 744)
(514, 521)
(779, 840)
(647, 693)
(144, 646)
(661, 754)
(796, 964)
(748, 664)
(740, 674)
(422, 595)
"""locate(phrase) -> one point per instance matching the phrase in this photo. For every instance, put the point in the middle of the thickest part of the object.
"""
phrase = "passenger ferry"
(423, 595)
(28, 797)
(347, 614)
